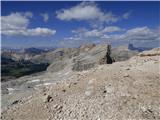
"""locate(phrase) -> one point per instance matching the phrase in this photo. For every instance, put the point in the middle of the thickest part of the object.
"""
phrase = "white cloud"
(86, 11)
(111, 29)
(41, 32)
(14, 21)
(17, 24)
(139, 31)
(28, 14)
(93, 33)
(45, 16)
(75, 38)
(30, 32)
(126, 15)
(96, 32)
(137, 34)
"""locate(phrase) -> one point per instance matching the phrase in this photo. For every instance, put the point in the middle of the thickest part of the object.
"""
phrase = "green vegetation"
(17, 69)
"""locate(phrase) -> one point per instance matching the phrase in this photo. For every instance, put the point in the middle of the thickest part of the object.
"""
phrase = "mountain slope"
(122, 90)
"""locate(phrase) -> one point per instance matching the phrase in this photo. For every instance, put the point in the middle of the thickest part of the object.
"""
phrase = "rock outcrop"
(99, 54)
(78, 59)
(153, 52)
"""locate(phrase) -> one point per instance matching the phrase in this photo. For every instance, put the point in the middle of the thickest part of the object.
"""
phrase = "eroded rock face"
(57, 66)
(82, 58)
(99, 54)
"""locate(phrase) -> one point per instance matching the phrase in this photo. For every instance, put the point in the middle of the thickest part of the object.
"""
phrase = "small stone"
(48, 99)
(75, 83)
(127, 68)
(88, 93)
(29, 87)
(45, 94)
(64, 90)
(104, 91)
(55, 106)
(126, 75)
(109, 89)
(59, 107)
(16, 102)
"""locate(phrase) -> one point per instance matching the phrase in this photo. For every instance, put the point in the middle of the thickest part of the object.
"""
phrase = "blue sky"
(69, 24)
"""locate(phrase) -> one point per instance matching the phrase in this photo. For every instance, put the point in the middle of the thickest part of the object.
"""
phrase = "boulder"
(48, 98)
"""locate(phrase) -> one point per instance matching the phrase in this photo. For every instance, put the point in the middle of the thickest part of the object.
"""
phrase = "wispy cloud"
(83, 32)
(111, 29)
(45, 16)
(127, 15)
(141, 33)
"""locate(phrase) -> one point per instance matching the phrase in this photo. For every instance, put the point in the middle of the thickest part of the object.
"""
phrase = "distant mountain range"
(122, 53)
(32, 60)
(24, 54)
(35, 51)
(139, 49)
